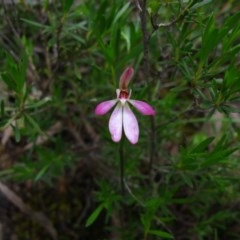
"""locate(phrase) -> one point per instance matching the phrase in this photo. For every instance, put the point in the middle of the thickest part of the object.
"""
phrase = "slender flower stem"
(121, 212)
(121, 156)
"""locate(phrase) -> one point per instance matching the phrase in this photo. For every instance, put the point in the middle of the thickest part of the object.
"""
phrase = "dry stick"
(156, 26)
(37, 216)
(7, 18)
(146, 38)
(1, 231)
(19, 43)
(58, 40)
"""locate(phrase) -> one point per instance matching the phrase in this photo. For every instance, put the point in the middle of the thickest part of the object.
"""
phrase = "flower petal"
(130, 124)
(115, 123)
(126, 77)
(104, 107)
(143, 107)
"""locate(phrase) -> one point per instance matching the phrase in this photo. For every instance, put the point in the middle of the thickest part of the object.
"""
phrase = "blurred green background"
(60, 170)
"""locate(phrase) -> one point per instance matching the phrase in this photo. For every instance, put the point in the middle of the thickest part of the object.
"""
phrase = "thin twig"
(156, 26)
(146, 66)
(145, 39)
(168, 24)
(132, 194)
(10, 24)
(37, 216)
(138, 5)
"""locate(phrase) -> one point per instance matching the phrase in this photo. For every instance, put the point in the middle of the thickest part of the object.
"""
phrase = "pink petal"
(115, 123)
(143, 107)
(126, 77)
(130, 124)
(104, 107)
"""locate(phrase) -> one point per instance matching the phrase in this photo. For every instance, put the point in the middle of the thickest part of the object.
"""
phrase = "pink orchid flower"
(122, 117)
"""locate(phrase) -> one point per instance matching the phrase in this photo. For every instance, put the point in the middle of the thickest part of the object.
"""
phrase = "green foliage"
(61, 58)
(15, 77)
(200, 157)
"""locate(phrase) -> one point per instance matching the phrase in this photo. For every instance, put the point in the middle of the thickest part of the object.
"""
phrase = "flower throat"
(124, 94)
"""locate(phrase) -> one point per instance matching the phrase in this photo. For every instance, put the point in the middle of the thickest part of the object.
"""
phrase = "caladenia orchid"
(122, 117)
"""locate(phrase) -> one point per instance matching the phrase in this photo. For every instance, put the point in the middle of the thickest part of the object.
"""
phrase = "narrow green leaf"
(115, 38)
(2, 108)
(34, 124)
(76, 37)
(146, 222)
(9, 80)
(67, 5)
(125, 33)
(124, 9)
(232, 20)
(218, 156)
(203, 145)
(210, 39)
(229, 109)
(107, 51)
(200, 93)
(42, 172)
(234, 99)
(206, 104)
(15, 74)
(91, 219)
(22, 70)
(38, 103)
(161, 234)
(200, 4)
(6, 173)
(16, 132)
(33, 23)
(8, 122)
